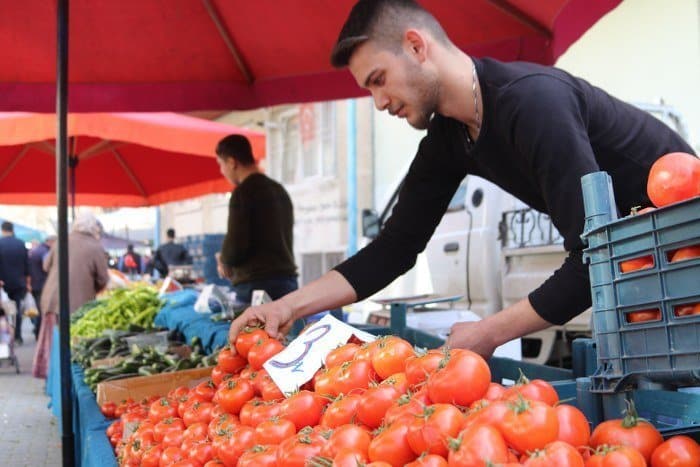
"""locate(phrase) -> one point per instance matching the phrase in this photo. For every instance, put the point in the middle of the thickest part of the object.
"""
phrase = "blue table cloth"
(178, 314)
(92, 448)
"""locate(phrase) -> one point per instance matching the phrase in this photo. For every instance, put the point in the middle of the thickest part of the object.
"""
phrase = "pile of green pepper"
(125, 309)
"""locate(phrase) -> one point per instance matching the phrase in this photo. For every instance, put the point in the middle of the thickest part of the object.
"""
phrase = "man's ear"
(415, 44)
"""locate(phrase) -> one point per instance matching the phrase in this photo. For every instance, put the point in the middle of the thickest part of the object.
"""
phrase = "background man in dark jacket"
(14, 271)
(170, 253)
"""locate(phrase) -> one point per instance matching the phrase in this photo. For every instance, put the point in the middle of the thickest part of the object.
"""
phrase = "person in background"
(169, 254)
(130, 263)
(89, 274)
(38, 275)
(14, 271)
(257, 251)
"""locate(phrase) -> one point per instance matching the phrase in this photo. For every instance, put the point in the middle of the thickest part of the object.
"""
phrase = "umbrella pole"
(68, 448)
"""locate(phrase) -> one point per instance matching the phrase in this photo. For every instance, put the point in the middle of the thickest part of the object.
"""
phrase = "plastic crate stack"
(202, 248)
(649, 358)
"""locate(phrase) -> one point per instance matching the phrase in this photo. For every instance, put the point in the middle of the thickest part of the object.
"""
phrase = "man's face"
(227, 167)
(399, 83)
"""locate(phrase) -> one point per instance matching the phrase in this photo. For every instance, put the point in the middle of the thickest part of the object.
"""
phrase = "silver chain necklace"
(476, 101)
(476, 109)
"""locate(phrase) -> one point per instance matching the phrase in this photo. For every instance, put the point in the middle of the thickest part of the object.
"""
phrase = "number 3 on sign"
(312, 335)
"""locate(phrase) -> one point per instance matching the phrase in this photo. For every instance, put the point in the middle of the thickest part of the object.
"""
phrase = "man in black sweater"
(530, 129)
(258, 250)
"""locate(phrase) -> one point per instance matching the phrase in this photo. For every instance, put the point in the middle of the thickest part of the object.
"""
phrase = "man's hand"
(472, 335)
(484, 336)
(277, 317)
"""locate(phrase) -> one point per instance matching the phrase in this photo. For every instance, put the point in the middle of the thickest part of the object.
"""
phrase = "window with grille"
(301, 144)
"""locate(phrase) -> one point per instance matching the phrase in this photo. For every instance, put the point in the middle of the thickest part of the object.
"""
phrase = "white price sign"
(302, 358)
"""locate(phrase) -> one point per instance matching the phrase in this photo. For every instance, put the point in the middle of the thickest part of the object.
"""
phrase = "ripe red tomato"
(357, 374)
(390, 357)
(259, 456)
(678, 451)
(247, 338)
(406, 406)
(428, 460)
(205, 390)
(398, 381)
(274, 431)
(628, 431)
(615, 456)
(347, 437)
(198, 412)
(557, 453)
(246, 413)
(374, 403)
(348, 458)
(108, 409)
(495, 392)
(262, 351)
(528, 425)
(230, 361)
(573, 425)
(166, 425)
(264, 412)
(419, 367)
(367, 350)
(171, 454)
(234, 445)
(674, 177)
(643, 316)
(535, 390)
(233, 394)
(637, 264)
(303, 408)
(462, 380)
(391, 445)
(689, 252)
(478, 445)
(341, 411)
(340, 355)
(269, 389)
(295, 451)
(430, 431)
(162, 408)
(202, 452)
(151, 456)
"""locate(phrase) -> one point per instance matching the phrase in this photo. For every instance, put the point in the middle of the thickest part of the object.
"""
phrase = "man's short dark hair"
(170, 233)
(382, 21)
(7, 226)
(236, 147)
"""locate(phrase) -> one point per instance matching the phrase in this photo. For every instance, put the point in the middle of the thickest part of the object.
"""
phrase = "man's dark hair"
(382, 21)
(236, 147)
(170, 233)
(7, 226)
(130, 247)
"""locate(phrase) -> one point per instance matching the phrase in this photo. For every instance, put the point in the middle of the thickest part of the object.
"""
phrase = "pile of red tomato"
(376, 404)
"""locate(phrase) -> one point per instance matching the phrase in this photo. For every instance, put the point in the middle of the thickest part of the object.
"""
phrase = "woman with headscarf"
(87, 266)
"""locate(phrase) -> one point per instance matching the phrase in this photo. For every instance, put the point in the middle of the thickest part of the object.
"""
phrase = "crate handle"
(598, 201)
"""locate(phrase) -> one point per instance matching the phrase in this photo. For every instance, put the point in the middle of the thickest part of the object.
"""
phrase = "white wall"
(642, 51)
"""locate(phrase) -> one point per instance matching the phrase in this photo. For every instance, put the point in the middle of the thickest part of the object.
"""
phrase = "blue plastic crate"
(665, 350)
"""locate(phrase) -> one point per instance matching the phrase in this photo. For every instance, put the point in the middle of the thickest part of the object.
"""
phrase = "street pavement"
(29, 433)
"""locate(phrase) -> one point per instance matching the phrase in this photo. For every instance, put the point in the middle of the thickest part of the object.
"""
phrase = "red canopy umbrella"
(119, 159)
(181, 55)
